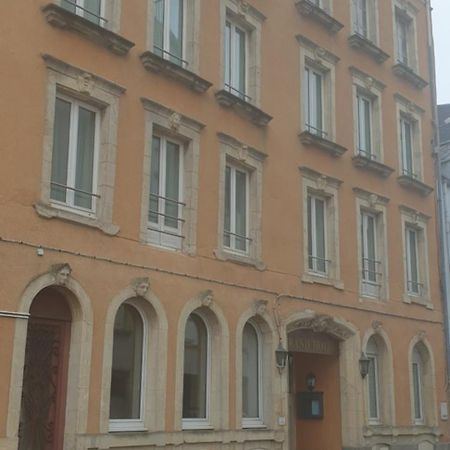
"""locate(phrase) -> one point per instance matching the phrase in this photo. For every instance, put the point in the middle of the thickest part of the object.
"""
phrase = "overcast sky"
(441, 32)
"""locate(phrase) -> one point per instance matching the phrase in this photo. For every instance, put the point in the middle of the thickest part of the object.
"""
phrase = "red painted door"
(44, 385)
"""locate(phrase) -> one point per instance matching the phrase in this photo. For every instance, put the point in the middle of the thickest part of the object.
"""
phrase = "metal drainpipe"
(440, 223)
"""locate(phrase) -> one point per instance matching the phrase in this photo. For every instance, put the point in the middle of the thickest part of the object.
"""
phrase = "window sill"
(415, 184)
(245, 109)
(61, 18)
(50, 212)
(419, 300)
(363, 162)
(392, 431)
(408, 74)
(306, 8)
(311, 278)
(363, 44)
(196, 426)
(127, 426)
(328, 146)
(155, 63)
(224, 255)
(254, 426)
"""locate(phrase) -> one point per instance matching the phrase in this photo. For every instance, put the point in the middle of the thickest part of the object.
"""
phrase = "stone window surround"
(316, 57)
(252, 161)
(191, 32)
(259, 317)
(251, 20)
(412, 112)
(428, 381)
(103, 94)
(373, 21)
(187, 130)
(376, 205)
(372, 89)
(326, 187)
(386, 394)
(418, 221)
(409, 11)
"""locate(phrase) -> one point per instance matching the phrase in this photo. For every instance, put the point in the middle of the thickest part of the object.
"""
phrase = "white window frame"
(416, 359)
(232, 248)
(409, 262)
(200, 423)
(80, 10)
(374, 359)
(314, 258)
(405, 12)
(365, 125)
(371, 33)
(69, 205)
(370, 288)
(313, 106)
(117, 425)
(256, 422)
(407, 153)
(160, 234)
(326, 188)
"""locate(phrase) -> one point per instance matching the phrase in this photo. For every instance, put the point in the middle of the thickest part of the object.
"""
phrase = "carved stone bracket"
(377, 326)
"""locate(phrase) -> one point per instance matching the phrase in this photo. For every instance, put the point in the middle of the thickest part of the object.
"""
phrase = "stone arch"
(423, 346)
(155, 346)
(386, 373)
(204, 305)
(80, 351)
(260, 318)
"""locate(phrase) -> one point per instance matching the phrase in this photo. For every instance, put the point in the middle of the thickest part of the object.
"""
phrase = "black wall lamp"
(364, 363)
(281, 356)
(310, 381)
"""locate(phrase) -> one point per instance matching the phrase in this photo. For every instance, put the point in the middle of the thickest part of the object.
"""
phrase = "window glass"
(412, 261)
(126, 374)
(361, 22)
(406, 132)
(372, 379)
(417, 385)
(89, 9)
(195, 368)
(235, 60)
(316, 234)
(250, 373)
(364, 125)
(313, 101)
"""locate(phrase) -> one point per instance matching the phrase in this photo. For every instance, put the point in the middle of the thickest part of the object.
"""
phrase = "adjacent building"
(218, 226)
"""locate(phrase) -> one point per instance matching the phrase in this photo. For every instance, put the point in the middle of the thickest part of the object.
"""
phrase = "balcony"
(319, 15)
(317, 138)
(410, 181)
(157, 64)
(364, 160)
(62, 18)
(408, 74)
(361, 43)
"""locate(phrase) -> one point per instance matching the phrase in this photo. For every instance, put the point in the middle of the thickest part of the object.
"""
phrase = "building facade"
(217, 226)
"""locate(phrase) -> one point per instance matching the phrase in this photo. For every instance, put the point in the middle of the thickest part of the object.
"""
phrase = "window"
(317, 257)
(166, 205)
(312, 98)
(170, 179)
(240, 202)
(406, 140)
(235, 60)
(92, 10)
(126, 403)
(78, 165)
(373, 390)
(415, 257)
(361, 20)
(364, 125)
(196, 373)
(320, 228)
(75, 153)
(251, 377)
(236, 209)
(417, 386)
(405, 35)
(369, 259)
(168, 30)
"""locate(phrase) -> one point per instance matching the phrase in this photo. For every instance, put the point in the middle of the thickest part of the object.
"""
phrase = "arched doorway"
(44, 388)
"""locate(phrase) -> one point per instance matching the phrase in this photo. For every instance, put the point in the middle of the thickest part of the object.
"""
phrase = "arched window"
(126, 375)
(373, 388)
(195, 376)
(251, 377)
(417, 368)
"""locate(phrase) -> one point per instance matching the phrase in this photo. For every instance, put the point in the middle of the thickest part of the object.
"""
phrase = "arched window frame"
(134, 424)
(200, 423)
(255, 422)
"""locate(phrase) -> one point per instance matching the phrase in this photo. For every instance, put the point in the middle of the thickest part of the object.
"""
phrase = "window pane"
(195, 369)
(176, 30)
(320, 235)
(228, 54)
(372, 388)
(60, 155)
(250, 372)
(241, 210)
(306, 98)
(172, 184)
(310, 235)
(85, 157)
(413, 266)
(154, 180)
(318, 101)
(158, 27)
(68, 5)
(240, 61)
(93, 11)
(227, 218)
(371, 251)
(126, 371)
(417, 390)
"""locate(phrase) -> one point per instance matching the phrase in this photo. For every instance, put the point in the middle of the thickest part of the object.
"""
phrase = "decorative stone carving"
(260, 307)
(369, 82)
(322, 323)
(85, 83)
(141, 286)
(243, 153)
(411, 107)
(321, 183)
(207, 297)
(377, 326)
(242, 8)
(373, 200)
(175, 121)
(319, 54)
(421, 335)
(61, 273)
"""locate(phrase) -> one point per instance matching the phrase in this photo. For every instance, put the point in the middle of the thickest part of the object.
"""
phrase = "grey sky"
(441, 32)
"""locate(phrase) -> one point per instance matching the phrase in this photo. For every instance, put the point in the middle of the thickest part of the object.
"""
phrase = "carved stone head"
(141, 286)
(260, 307)
(61, 273)
(207, 297)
